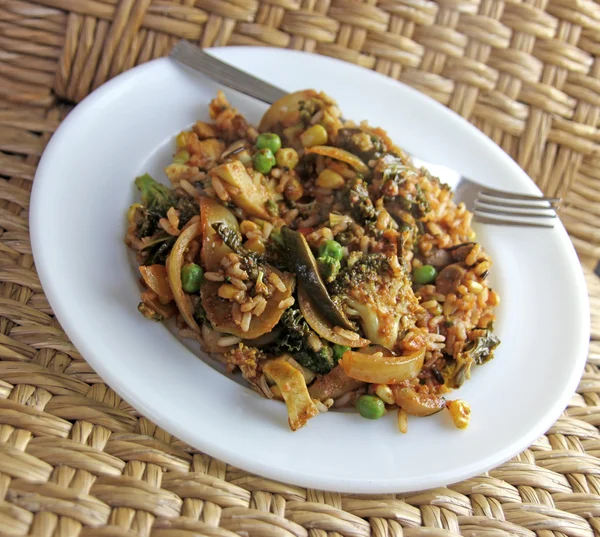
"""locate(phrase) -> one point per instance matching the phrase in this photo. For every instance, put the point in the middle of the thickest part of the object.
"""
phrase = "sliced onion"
(213, 248)
(339, 154)
(323, 327)
(155, 277)
(378, 369)
(284, 111)
(417, 404)
(174, 263)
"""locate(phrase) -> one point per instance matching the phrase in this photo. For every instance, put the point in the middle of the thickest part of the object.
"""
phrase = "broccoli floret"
(379, 295)
(329, 268)
(329, 261)
(364, 269)
(295, 340)
(296, 328)
(153, 193)
(320, 362)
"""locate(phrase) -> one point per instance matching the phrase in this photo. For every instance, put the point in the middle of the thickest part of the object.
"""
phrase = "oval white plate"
(84, 185)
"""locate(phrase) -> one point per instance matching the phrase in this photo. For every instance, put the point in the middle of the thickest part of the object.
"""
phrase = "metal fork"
(489, 205)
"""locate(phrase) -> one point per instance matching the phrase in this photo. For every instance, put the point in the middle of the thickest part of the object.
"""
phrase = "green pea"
(338, 350)
(331, 249)
(424, 274)
(263, 161)
(268, 140)
(370, 407)
(191, 277)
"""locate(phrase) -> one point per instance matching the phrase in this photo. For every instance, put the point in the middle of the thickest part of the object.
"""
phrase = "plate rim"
(232, 456)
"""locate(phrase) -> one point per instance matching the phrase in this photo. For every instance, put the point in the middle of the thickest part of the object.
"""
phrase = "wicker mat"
(77, 460)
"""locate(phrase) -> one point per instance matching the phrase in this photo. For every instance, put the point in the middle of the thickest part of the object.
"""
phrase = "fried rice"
(311, 256)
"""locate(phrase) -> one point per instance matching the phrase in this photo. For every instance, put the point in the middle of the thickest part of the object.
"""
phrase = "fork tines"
(499, 207)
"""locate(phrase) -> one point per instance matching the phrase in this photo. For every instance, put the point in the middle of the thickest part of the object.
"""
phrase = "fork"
(491, 206)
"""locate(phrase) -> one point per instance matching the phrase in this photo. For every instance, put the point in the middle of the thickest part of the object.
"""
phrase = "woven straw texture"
(77, 460)
(525, 72)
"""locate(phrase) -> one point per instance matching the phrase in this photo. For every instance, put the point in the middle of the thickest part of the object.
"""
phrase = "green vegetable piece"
(331, 249)
(263, 161)
(338, 350)
(295, 339)
(329, 268)
(370, 407)
(307, 272)
(320, 362)
(272, 208)
(181, 157)
(424, 274)
(153, 193)
(268, 140)
(276, 236)
(191, 277)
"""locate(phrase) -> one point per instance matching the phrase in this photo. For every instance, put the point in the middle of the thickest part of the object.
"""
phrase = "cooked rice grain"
(214, 276)
(288, 302)
(277, 282)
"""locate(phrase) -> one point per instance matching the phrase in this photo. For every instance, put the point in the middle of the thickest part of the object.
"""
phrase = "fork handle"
(195, 58)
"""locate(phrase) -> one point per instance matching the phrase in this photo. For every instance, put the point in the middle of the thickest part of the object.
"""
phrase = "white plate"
(84, 185)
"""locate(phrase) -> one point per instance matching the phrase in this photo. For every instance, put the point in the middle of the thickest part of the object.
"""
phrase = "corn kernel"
(315, 135)
(255, 245)
(475, 287)
(330, 179)
(228, 291)
(460, 411)
(247, 226)
(286, 157)
(384, 392)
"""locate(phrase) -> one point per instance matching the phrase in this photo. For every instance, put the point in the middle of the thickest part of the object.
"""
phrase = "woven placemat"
(77, 460)
(525, 72)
